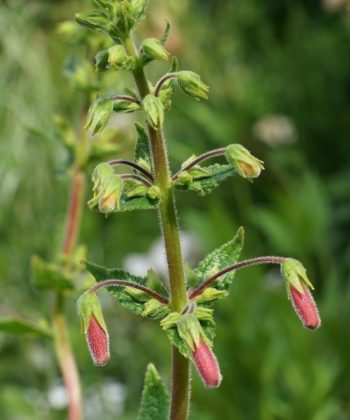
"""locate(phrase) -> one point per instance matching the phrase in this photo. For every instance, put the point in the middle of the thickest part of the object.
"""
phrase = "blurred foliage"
(263, 61)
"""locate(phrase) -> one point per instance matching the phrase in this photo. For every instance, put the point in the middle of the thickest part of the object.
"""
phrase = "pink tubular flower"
(207, 365)
(98, 342)
(305, 307)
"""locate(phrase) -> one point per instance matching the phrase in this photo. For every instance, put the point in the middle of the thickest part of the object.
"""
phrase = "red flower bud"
(305, 307)
(98, 342)
(207, 365)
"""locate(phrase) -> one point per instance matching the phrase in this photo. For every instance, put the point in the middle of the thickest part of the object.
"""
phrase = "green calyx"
(154, 110)
(152, 49)
(295, 275)
(119, 59)
(192, 84)
(99, 114)
(88, 306)
(107, 189)
(247, 165)
(210, 294)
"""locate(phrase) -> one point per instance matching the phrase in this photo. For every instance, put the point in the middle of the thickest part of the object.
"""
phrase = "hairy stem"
(125, 283)
(137, 178)
(169, 224)
(242, 264)
(65, 356)
(67, 361)
(161, 82)
(133, 165)
(198, 159)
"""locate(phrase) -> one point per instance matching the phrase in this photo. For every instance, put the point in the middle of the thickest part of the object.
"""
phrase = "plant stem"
(169, 224)
(242, 264)
(125, 283)
(63, 348)
(66, 361)
(134, 165)
(139, 178)
(198, 159)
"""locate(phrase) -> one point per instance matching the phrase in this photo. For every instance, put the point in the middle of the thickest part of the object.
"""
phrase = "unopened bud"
(119, 59)
(99, 114)
(210, 294)
(95, 20)
(207, 364)
(298, 285)
(98, 342)
(247, 165)
(154, 109)
(94, 328)
(154, 309)
(101, 60)
(192, 84)
(305, 307)
(107, 189)
(153, 192)
(110, 194)
(152, 49)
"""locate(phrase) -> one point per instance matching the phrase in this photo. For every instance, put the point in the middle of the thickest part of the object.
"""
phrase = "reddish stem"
(125, 283)
(247, 263)
(74, 212)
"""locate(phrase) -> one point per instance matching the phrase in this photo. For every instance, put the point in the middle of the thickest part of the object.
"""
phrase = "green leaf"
(48, 276)
(143, 148)
(18, 326)
(155, 402)
(220, 258)
(203, 186)
(166, 33)
(137, 203)
(102, 273)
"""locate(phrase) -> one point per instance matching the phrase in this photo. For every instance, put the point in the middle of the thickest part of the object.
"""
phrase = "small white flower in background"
(275, 129)
(138, 264)
(334, 5)
(105, 401)
(57, 397)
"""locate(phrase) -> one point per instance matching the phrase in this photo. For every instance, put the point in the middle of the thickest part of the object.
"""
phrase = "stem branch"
(204, 156)
(125, 283)
(137, 178)
(242, 264)
(161, 82)
(132, 165)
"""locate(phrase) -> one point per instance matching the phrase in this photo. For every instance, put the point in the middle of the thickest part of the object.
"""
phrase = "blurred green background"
(279, 73)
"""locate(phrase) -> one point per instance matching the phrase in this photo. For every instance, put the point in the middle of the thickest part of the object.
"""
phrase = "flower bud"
(99, 114)
(192, 84)
(119, 59)
(192, 334)
(139, 8)
(94, 328)
(154, 111)
(305, 307)
(125, 106)
(153, 192)
(298, 285)
(210, 294)
(107, 189)
(101, 60)
(207, 365)
(110, 194)
(95, 20)
(98, 342)
(152, 49)
(154, 309)
(247, 165)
